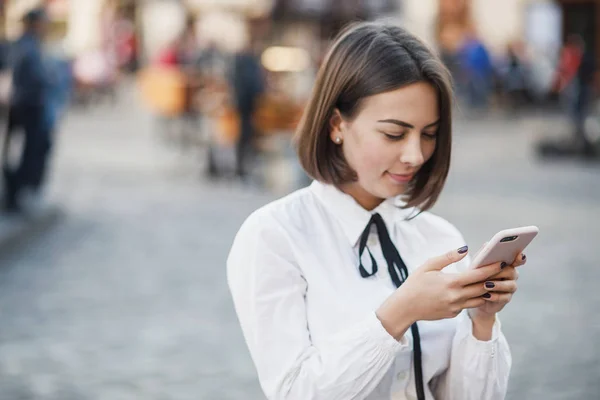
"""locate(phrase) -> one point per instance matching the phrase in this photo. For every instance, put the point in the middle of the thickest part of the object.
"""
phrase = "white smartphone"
(505, 246)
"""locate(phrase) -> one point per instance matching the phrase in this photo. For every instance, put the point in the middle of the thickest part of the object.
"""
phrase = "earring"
(338, 140)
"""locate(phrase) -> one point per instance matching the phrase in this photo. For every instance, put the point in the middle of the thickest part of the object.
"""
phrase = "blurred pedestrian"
(574, 83)
(583, 93)
(248, 83)
(183, 50)
(515, 77)
(212, 61)
(60, 82)
(169, 55)
(569, 62)
(28, 110)
(126, 43)
(478, 71)
(324, 298)
(5, 79)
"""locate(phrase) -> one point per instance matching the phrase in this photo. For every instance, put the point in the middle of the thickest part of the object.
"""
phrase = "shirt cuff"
(387, 343)
(465, 330)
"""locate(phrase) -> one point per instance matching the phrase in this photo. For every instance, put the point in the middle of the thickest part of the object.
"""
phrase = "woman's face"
(389, 140)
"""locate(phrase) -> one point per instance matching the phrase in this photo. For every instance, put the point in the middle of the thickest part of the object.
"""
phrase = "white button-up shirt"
(308, 316)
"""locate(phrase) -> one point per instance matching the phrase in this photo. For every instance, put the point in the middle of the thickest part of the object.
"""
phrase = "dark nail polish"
(503, 265)
(463, 250)
(486, 295)
(524, 257)
(490, 285)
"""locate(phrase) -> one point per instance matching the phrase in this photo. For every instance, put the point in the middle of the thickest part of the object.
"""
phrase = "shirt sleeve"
(479, 370)
(269, 291)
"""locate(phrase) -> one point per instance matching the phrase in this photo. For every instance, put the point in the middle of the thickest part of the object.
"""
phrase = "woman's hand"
(500, 290)
(429, 294)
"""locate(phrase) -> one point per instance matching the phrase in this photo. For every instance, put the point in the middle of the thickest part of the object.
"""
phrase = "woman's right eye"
(394, 137)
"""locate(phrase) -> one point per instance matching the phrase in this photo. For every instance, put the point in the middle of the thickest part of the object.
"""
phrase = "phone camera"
(508, 239)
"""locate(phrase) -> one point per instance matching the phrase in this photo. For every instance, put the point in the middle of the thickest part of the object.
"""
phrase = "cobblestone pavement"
(127, 298)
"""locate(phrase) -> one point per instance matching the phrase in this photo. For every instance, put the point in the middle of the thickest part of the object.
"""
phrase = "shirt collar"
(352, 217)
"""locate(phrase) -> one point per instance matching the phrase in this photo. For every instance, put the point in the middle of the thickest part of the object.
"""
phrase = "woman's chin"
(392, 189)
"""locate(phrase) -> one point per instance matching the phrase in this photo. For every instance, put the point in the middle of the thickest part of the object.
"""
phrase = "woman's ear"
(335, 127)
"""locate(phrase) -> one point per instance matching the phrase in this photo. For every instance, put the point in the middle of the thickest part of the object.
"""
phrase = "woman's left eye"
(430, 136)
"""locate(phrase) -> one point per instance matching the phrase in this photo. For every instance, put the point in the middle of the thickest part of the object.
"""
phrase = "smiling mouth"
(401, 178)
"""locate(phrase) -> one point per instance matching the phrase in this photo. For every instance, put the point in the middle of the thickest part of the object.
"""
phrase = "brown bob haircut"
(366, 59)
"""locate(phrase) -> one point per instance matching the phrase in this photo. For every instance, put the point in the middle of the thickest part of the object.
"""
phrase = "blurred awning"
(336, 9)
(253, 8)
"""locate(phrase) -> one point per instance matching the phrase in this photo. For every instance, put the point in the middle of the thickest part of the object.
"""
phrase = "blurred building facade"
(497, 22)
(540, 25)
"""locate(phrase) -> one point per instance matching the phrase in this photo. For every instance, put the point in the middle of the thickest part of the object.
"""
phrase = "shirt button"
(372, 242)
(401, 376)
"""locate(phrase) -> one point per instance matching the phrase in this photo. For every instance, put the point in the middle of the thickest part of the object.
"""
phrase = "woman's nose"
(411, 152)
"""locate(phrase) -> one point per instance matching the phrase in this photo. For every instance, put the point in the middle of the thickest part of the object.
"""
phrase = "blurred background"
(138, 135)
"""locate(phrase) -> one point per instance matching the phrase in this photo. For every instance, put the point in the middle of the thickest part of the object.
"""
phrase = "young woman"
(350, 289)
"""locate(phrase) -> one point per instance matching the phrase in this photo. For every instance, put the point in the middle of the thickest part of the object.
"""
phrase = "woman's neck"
(365, 199)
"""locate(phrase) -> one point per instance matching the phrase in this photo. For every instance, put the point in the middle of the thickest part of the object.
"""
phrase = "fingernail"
(523, 257)
(486, 295)
(490, 285)
(503, 265)
(463, 250)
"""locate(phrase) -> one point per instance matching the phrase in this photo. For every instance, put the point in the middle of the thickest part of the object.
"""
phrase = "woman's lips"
(404, 178)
